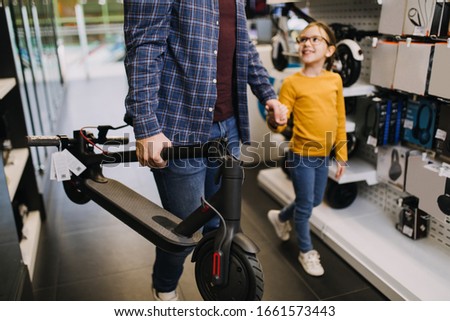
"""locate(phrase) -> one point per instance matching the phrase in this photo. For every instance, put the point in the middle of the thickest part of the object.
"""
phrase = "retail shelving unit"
(364, 233)
(29, 75)
(15, 257)
(367, 239)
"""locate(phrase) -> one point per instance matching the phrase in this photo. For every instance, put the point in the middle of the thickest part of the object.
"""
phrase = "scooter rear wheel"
(245, 281)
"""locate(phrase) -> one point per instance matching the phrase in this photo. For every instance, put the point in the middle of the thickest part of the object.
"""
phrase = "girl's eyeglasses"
(313, 40)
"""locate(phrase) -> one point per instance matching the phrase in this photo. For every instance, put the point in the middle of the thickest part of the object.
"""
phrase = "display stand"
(363, 235)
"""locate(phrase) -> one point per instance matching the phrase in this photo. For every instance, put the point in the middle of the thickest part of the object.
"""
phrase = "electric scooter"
(226, 266)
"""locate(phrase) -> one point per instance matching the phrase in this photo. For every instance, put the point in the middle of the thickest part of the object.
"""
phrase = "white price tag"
(434, 167)
(52, 170)
(444, 170)
(75, 166)
(372, 141)
(407, 230)
(419, 31)
(409, 124)
(440, 134)
(61, 167)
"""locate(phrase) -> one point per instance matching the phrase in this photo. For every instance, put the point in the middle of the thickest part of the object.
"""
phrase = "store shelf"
(360, 88)
(6, 84)
(30, 240)
(14, 167)
(358, 170)
(362, 234)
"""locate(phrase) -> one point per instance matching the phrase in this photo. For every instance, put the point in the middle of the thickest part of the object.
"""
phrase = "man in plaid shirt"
(188, 65)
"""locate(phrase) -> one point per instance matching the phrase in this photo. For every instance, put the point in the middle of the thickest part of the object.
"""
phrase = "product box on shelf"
(392, 17)
(441, 19)
(418, 17)
(419, 125)
(392, 164)
(370, 119)
(412, 221)
(411, 68)
(384, 58)
(394, 121)
(424, 179)
(440, 72)
(442, 136)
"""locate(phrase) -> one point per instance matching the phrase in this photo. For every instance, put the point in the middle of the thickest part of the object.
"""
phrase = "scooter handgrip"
(43, 140)
(183, 152)
(123, 140)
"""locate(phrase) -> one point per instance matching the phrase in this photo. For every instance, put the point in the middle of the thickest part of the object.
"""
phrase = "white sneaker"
(310, 261)
(165, 296)
(281, 228)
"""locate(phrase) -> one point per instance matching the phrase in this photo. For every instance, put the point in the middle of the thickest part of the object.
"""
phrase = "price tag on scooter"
(59, 163)
(75, 166)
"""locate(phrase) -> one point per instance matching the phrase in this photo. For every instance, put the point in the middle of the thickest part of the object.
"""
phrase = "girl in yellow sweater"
(314, 96)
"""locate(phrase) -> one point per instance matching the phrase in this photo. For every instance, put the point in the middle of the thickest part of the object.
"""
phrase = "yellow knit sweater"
(317, 104)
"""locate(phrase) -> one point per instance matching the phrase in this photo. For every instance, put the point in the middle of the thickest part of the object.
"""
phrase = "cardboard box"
(370, 119)
(441, 19)
(419, 126)
(440, 72)
(442, 136)
(418, 17)
(392, 17)
(412, 221)
(424, 182)
(384, 59)
(392, 164)
(411, 68)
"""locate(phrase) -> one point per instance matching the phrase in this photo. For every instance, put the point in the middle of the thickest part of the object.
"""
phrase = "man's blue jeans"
(309, 176)
(181, 185)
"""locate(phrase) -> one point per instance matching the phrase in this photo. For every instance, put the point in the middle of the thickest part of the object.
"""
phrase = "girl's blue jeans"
(309, 176)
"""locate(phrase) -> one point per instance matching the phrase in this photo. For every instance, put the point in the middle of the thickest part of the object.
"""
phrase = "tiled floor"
(87, 254)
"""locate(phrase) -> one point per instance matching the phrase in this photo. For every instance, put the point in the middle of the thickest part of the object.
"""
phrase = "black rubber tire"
(351, 68)
(340, 196)
(74, 193)
(245, 283)
(280, 62)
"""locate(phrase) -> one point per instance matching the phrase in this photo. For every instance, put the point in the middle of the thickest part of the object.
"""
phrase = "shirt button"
(210, 109)
(217, 22)
(215, 81)
(215, 52)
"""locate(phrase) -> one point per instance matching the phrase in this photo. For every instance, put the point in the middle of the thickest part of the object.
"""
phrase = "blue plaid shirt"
(171, 68)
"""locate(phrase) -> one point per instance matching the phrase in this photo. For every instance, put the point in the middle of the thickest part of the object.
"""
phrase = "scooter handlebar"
(43, 140)
(56, 140)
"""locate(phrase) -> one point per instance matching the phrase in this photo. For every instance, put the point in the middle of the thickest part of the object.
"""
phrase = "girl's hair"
(331, 40)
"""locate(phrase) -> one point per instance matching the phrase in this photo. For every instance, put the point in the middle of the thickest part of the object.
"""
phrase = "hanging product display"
(392, 164)
(424, 180)
(444, 199)
(420, 123)
(443, 134)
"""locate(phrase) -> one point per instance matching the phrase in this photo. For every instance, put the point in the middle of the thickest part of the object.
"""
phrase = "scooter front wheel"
(245, 282)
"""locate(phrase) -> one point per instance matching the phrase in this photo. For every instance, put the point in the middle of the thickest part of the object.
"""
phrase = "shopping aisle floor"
(85, 253)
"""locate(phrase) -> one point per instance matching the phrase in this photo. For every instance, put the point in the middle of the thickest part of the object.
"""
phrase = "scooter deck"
(142, 215)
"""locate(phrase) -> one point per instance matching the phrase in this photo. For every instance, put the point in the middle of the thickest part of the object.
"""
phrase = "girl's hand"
(276, 113)
(340, 169)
